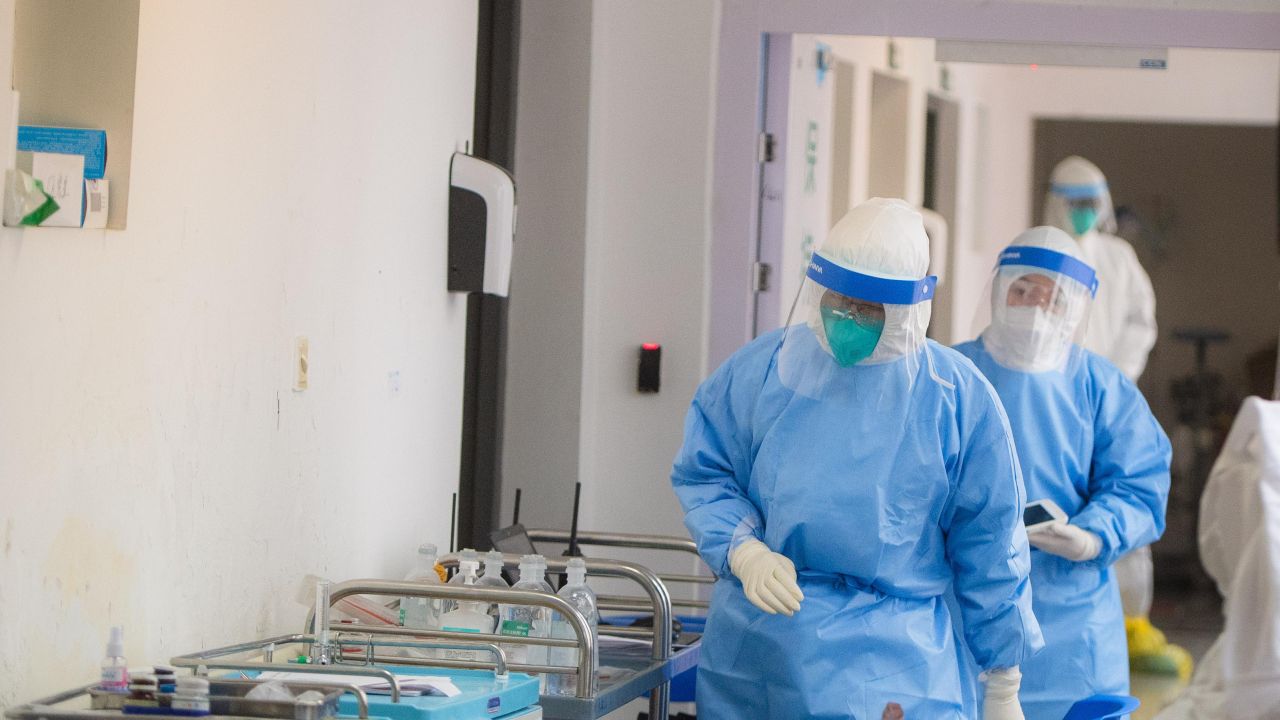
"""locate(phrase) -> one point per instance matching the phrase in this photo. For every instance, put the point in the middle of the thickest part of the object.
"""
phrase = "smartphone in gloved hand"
(1041, 514)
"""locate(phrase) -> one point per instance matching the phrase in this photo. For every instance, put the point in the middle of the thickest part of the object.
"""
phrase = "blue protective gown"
(1087, 440)
(880, 510)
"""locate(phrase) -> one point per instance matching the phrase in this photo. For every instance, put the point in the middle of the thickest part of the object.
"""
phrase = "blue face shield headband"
(1078, 192)
(870, 288)
(1051, 260)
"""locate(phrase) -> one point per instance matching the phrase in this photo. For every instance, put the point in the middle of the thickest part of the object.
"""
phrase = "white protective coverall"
(1239, 677)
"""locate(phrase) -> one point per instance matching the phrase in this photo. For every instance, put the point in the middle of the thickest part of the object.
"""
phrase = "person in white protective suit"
(1122, 325)
(1239, 678)
(1122, 328)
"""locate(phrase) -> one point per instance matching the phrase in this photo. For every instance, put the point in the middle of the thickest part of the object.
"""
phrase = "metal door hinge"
(764, 153)
(760, 275)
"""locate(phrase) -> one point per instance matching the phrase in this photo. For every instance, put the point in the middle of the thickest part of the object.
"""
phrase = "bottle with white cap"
(528, 620)
(577, 593)
(468, 562)
(493, 578)
(467, 616)
(417, 612)
(115, 673)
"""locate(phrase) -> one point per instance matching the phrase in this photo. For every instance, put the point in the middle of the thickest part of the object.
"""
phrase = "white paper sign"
(63, 178)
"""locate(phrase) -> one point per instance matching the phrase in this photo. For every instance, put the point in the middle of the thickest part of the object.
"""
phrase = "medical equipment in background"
(492, 577)
(420, 612)
(527, 621)
(580, 595)
(1204, 405)
(603, 677)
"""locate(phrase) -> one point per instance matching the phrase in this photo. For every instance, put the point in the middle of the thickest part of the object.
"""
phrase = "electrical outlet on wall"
(300, 362)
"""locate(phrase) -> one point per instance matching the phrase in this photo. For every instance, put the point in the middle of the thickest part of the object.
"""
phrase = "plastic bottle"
(466, 558)
(493, 578)
(577, 593)
(466, 616)
(115, 674)
(422, 613)
(527, 620)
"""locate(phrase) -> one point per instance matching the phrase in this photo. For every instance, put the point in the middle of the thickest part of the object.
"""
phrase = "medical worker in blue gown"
(838, 475)
(1088, 442)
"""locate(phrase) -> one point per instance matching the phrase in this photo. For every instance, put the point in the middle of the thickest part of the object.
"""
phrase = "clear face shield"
(1038, 313)
(1077, 209)
(854, 333)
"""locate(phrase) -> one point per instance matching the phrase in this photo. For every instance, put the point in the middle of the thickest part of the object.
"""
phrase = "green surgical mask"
(1082, 219)
(851, 341)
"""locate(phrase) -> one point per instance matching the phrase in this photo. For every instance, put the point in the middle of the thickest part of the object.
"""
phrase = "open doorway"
(887, 159)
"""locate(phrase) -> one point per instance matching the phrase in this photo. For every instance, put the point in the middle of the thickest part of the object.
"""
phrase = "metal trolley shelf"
(376, 650)
(666, 662)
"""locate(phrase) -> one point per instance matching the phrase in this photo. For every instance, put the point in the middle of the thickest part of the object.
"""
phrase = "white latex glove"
(1001, 701)
(1068, 541)
(768, 579)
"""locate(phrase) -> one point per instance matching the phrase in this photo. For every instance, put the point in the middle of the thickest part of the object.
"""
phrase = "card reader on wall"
(482, 218)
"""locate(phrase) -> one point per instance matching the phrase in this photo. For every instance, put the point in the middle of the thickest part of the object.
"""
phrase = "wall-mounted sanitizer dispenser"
(482, 218)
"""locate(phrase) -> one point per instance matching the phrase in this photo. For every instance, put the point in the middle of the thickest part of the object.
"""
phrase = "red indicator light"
(650, 346)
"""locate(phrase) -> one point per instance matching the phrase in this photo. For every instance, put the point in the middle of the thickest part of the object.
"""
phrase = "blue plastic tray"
(1103, 707)
(482, 697)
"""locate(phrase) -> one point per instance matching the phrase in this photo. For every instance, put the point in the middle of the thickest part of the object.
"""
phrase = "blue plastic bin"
(1103, 707)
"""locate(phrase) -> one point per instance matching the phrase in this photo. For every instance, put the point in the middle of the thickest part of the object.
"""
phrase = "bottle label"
(115, 679)
(515, 628)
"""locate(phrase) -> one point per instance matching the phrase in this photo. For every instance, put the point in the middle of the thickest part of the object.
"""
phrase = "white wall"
(647, 228)
(289, 177)
(543, 393)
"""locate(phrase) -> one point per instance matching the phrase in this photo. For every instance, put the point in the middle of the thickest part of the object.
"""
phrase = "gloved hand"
(1001, 701)
(1068, 541)
(768, 579)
